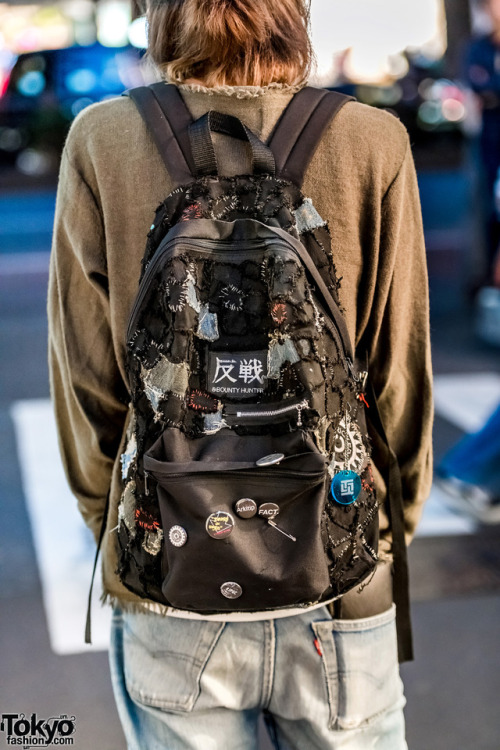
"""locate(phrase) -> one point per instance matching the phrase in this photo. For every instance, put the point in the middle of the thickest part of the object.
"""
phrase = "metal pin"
(275, 526)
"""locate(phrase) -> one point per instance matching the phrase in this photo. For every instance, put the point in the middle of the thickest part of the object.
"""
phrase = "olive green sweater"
(361, 180)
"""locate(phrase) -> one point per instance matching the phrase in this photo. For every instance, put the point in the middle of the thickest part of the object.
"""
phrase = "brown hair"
(230, 42)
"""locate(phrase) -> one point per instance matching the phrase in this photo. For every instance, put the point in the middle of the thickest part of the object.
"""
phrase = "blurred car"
(437, 112)
(46, 90)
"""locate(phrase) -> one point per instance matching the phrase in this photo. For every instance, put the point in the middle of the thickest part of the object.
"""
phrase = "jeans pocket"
(164, 658)
(360, 659)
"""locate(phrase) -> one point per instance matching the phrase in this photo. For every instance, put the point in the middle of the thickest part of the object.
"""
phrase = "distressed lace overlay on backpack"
(264, 308)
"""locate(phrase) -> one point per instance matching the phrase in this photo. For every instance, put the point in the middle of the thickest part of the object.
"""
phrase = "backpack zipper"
(275, 412)
(214, 252)
(223, 476)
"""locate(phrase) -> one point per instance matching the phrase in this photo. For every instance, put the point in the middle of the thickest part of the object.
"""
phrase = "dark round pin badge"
(177, 536)
(270, 460)
(246, 507)
(269, 510)
(219, 524)
(231, 590)
(345, 487)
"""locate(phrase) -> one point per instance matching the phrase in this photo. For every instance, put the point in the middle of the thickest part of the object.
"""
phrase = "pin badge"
(231, 590)
(177, 536)
(219, 524)
(270, 460)
(246, 507)
(269, 510)
(345, 487)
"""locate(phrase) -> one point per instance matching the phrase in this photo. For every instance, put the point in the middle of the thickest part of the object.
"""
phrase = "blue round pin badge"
(345, 487)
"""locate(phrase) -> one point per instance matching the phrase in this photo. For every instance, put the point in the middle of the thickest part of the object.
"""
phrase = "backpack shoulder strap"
(395, 508)
(297, 134)
(162, 108)
(293, 141)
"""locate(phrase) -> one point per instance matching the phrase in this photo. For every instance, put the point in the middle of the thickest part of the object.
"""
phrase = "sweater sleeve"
(399, 351)
(88, 392)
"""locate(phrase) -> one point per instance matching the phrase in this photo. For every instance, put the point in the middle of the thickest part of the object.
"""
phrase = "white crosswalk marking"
(467, 399)
(65, 548)
(440, 520)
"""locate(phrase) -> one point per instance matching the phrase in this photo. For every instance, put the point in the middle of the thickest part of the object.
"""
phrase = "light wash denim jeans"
(200, 685)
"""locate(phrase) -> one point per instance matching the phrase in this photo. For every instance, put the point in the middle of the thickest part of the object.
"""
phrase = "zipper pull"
(146, 485)
(302, 405)
(363, 376)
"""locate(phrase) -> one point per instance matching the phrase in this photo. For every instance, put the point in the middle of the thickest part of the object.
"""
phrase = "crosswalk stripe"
(64, 546)
(467, 399)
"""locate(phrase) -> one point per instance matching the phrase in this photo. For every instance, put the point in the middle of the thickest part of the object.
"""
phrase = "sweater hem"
(150, 607)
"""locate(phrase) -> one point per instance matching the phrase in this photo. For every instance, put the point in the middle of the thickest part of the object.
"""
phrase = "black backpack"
(247, 469)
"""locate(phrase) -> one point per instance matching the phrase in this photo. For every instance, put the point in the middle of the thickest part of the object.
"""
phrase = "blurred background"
(436, 65)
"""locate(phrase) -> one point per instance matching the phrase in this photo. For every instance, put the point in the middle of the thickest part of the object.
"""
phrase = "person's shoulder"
(101, 126)
(377, 131)
(365, 141)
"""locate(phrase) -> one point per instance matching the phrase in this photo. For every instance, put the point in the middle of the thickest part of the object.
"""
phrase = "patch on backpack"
(281, 352)
(350, 453)
(165, 377)
(238, 374)
(204, 402)
(307, 218)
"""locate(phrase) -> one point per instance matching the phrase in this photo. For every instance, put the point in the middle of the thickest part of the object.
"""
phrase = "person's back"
(362, 182)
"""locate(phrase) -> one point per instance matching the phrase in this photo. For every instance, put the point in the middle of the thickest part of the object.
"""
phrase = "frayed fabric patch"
(213, 422)
(152, 541)
(153, 533)
(126, 508)
(191, 295)
(128, 456)
(202, 401)
(232, 297)
(208, 326)
(320, 434)
(307, 218)
(278, 312)
(165, 377)
(155, 397)
(278, 354)
(304, 346)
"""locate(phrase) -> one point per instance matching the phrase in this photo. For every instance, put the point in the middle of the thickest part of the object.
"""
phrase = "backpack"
(247, 479)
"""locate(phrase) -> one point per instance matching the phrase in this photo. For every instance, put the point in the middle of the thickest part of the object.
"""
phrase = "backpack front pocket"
(245, 534)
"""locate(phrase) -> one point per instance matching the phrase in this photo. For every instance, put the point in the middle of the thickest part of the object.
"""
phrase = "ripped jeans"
(201, 685)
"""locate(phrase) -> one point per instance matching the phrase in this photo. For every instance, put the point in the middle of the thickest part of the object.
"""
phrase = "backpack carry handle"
(202, 147)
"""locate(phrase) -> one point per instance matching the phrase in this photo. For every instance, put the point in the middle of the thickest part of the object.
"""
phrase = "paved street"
(452, 688)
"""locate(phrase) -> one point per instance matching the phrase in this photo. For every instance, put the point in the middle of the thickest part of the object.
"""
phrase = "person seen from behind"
(326, 676)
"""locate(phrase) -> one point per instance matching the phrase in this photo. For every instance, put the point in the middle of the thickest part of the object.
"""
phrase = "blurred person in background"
(247, 60)
(470, 472)
(482, 74)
